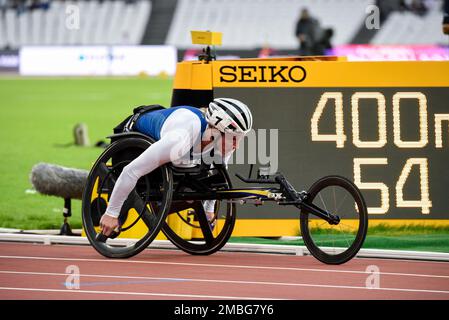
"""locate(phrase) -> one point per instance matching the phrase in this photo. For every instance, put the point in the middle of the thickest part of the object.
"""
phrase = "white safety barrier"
(231, 247)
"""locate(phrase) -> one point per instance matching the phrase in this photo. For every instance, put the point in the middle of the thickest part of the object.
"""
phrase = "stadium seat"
(11, 28)
(3, 40)
(101, 23)
(99, 30)
(70, 20)
(407, 28)
(89, 22)
(36, 30)
(137, 29)
(115, 20)
(50, 24)
(61, 31)
(23, 29)
(127, 21)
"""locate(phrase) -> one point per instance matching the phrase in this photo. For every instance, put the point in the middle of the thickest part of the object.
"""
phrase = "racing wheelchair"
(333, 214)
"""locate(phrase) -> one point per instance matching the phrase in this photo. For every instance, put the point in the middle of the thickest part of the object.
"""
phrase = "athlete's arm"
(178, 134)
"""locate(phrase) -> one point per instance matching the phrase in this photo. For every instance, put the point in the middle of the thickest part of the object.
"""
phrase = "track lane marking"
(152, 294)
(222, 266)
(240, 282)
(401, 260)
(225, 252)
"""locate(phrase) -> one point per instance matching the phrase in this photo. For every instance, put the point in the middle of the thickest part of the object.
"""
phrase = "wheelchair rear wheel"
(187, 226)
(101, 181)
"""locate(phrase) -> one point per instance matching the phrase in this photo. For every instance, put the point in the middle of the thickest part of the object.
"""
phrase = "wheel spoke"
(103, 172)
(204, 223)
(335, 200)
(325, 222)
(102, 180)
(347, 225)
(211, 239)
(141, 207)
(322, 201)
(344, 237)
(341, 202)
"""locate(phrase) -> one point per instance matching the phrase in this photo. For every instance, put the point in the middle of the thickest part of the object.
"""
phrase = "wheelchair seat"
(197, 169)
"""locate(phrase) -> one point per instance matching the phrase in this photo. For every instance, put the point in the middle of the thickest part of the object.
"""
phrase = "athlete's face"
(229, 143)
(226, 142)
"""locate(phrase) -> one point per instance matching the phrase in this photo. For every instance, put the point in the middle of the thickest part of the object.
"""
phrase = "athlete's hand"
(446, 28)
(108, 224)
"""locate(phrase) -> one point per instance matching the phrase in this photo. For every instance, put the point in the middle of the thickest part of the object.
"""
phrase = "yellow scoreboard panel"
(384, 125)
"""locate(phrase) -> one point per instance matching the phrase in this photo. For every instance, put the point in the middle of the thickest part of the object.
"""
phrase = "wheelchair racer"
(177, 132)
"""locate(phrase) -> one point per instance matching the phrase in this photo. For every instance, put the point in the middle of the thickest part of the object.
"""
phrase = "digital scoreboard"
(383, 125)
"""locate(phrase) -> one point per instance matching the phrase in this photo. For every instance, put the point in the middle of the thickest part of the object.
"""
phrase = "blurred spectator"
(446, 17)
(35, 4)
(418, 7)
(19, 5)
(39, 4)
(307, 32)
(324, 43)
(312, 38)
(3, 6)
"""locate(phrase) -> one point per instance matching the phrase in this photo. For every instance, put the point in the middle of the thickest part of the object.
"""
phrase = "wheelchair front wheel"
(335, 244)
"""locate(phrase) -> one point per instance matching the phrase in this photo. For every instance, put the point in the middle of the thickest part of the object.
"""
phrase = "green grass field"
(36, 115)
(407, 237)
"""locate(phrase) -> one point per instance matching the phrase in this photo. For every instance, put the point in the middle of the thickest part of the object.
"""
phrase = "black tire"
(100, 184)
(335, 244)
(225, 215)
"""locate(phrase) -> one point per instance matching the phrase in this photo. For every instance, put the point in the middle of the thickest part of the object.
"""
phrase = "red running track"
(34, 271)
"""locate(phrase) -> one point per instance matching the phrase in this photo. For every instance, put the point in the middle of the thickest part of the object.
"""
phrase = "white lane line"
(401, 260)
(207, 265)
(152, 294)
(239, 282)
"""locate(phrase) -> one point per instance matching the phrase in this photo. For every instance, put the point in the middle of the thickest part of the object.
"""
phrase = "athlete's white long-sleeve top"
(180, 132)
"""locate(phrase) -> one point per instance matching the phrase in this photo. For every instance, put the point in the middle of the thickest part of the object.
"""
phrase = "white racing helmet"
(229, 116)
